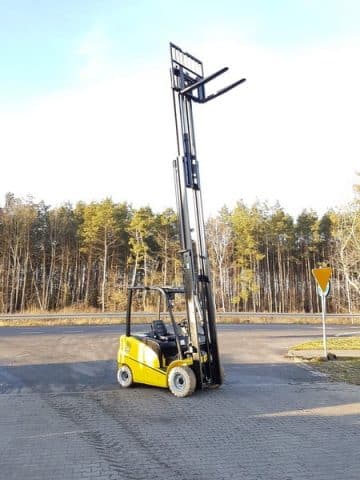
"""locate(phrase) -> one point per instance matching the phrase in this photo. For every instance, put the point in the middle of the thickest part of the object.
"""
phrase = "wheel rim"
(124, 376)
(179, 381)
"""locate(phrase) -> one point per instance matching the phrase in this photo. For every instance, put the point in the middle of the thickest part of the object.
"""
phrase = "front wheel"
(182, 381)
(124, 376)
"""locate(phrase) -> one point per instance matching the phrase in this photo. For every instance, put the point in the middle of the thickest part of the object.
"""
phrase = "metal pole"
(323, 305)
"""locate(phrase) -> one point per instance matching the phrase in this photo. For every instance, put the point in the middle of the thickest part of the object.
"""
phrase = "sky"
(86, 108)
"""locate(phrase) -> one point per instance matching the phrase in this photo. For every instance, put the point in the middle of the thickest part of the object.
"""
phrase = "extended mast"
(188, 86)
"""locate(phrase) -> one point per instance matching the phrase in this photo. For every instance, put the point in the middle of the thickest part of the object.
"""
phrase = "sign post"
(322, 277)
(323, 310)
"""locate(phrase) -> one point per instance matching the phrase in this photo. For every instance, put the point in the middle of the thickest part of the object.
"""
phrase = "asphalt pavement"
(63, 416)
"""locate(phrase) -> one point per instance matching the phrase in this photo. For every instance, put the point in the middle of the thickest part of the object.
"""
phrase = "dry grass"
(229, 319)
(70, 321)
(58, 322)
(340, 370)
(269, 319)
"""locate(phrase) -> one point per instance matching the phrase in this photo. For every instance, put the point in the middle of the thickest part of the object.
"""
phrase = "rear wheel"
(182, 381)
(124, 376)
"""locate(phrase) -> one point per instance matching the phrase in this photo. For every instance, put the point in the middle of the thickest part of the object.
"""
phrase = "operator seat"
(163, 338)
(159, 329)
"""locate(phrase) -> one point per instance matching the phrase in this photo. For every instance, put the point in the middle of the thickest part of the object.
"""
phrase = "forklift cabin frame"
(167, 294)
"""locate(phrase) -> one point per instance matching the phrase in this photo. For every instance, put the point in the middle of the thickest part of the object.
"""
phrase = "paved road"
(62, 416)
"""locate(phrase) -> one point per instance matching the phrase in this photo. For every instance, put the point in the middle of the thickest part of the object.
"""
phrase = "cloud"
(94, 53)
(287, 134)
(291, 131)
(106, 139)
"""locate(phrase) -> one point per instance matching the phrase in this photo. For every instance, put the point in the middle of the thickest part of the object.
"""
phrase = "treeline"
(85, 256)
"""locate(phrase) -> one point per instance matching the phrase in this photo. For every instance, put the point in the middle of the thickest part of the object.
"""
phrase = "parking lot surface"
(62, 415)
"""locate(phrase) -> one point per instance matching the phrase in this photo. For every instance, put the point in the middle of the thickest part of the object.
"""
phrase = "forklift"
(180, 356)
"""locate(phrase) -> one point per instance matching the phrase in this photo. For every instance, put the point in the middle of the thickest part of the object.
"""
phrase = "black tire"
(124, 376)
(182, 381)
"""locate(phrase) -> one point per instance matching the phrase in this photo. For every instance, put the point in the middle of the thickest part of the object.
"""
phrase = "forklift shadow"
(59, 377)
(65, 377)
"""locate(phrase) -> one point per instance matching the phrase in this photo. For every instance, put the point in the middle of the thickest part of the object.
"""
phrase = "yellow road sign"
(322, 276)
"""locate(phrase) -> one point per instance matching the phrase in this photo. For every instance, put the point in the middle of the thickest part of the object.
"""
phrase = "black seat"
(165, 341)
(159, 329)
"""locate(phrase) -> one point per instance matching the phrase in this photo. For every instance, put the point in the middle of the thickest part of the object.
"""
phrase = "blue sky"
(85, 82)
(40, 40)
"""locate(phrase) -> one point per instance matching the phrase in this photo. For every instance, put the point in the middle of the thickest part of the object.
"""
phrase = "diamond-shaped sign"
(322, 276)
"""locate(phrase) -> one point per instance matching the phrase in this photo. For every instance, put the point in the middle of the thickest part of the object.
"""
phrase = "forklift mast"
(188, 86)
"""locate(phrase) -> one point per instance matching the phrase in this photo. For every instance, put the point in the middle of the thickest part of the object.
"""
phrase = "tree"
(279, 240)
(52, 258)
(346, 234)
(141, 230)
(99, 232)
(168, 246)
(17, 220)
(245, 223)
(307, 250)
(220, 238)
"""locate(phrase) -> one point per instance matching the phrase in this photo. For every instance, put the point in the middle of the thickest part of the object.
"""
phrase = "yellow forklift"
(161, 356)
(182, 357)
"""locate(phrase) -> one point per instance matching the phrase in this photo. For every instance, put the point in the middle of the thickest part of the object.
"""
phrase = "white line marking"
(316, 373)
(57, 434)
(347, 333)
(57, 393)
(32, 333)
(289, 384)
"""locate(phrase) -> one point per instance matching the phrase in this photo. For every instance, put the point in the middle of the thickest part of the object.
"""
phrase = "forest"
(83, 257)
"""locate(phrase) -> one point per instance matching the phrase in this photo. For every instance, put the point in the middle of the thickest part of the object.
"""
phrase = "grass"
(340, 370)
(344, 343)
